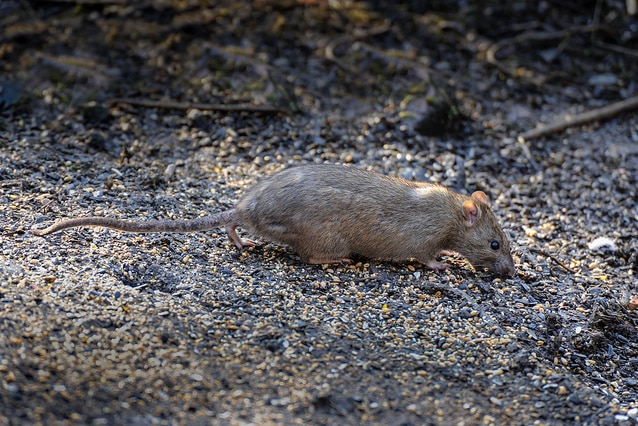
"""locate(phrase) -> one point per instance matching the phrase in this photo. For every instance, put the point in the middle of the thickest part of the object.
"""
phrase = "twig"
(631, 10)
(194, 105)
(11, 182)
(616, 48)
(329, 51)
(598, 114)
(528, 153)
(141, 286)
(78, 65)
(554, 258)
(490, 54)
(329, 54)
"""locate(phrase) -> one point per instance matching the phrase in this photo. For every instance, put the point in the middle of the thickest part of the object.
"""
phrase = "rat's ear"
(471, 212)
(481, 197)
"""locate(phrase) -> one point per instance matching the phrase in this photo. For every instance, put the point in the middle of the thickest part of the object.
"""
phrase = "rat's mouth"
(504, 270)
(500, 269)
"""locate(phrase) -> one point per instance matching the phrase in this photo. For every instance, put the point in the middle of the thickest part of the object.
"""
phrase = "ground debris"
(103, 327)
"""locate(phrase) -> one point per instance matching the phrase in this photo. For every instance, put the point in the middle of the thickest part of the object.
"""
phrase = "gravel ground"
(101, 327)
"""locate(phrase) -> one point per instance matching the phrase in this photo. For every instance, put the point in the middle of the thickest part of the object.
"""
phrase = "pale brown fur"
(328, 213)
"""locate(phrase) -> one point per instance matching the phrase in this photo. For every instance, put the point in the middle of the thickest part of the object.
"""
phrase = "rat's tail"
(191, 225)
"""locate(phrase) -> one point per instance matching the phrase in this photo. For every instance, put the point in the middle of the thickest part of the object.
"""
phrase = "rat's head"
(482, 241)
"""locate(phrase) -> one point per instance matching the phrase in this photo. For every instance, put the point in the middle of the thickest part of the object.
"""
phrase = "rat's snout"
(510, 272)
(505, 268)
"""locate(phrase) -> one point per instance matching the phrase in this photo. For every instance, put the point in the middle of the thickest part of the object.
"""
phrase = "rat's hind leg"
(240, 243)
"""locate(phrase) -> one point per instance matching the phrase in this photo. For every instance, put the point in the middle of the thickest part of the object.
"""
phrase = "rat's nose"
(505, 268)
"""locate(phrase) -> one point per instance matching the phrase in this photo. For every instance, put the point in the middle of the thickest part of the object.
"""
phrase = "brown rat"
(328, 212)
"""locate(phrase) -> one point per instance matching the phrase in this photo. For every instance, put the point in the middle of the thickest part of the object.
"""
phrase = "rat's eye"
(494, 245)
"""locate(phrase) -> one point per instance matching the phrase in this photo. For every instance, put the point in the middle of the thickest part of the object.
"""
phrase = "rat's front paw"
(436, 265)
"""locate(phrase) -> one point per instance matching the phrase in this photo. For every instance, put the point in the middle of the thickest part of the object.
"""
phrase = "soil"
(146, 110)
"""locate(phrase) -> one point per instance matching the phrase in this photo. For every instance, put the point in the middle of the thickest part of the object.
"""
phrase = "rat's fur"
(327, 213)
